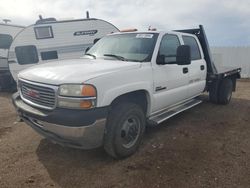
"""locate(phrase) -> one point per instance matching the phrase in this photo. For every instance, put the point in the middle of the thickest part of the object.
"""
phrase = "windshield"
(126, 47)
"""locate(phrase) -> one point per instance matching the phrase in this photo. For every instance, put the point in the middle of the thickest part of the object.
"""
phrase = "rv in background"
(48, 40)
(7, 34)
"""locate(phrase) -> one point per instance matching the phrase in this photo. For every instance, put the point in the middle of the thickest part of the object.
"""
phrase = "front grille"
(38, 95)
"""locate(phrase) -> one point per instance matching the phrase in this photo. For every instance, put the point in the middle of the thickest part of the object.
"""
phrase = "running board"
(168, 113)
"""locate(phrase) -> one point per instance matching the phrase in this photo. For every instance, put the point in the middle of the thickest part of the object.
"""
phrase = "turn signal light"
(88, 91)
(86, 104)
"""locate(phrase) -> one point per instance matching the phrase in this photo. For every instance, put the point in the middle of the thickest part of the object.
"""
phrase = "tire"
(225, 91)
(124, 130)
(213, 93)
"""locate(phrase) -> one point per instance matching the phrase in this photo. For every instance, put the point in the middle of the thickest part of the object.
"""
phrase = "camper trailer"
(7, 34)
(49, 39)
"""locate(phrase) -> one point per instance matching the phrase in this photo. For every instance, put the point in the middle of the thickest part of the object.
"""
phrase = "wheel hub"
(130, 131)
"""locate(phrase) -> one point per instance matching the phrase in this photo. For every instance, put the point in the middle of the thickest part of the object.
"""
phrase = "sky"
(227, 22)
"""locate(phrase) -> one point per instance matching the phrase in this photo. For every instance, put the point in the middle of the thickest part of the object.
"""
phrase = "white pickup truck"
(126, 81)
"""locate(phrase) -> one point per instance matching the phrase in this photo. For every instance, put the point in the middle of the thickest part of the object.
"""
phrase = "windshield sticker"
(148, 36)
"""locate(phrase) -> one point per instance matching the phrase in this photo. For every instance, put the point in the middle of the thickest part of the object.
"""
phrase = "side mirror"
(96, 40)
(160, 60)
(183, 55)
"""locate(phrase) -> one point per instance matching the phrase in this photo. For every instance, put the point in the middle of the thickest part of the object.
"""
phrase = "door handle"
(202, 67)
(185, 70)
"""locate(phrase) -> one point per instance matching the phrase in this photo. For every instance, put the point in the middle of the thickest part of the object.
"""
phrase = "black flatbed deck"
(228, 70)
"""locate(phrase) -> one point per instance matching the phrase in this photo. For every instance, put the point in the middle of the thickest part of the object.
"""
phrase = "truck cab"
(175, 82)
(126, 81)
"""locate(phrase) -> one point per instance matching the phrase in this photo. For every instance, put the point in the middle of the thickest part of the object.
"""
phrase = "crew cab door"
(170, 80)
(197, 68)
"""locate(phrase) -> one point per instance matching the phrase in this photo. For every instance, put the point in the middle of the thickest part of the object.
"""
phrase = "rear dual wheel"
(225, 91)
(223, 94)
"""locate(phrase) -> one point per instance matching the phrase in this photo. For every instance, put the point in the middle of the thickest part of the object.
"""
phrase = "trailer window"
(5, 41)
(195, 50)
(168, 48)
(26, 54)
(43, 32)
(49, 55)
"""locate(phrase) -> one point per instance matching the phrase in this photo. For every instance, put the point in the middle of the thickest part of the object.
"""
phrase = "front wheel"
(124, 130)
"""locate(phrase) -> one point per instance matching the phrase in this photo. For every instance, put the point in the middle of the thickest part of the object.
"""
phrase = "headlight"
(77, 90)
(77, 96)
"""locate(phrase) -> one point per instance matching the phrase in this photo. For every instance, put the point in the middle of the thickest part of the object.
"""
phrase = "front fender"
(111, 95)
(113, 85)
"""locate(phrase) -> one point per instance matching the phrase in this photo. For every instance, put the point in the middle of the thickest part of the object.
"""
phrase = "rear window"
(5, 41)
(26, 55)
(195, 50)
(43, 32)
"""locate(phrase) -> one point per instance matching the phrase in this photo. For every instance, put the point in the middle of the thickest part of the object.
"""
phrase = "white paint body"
(114, 78)
(11, 30)
(64, 42)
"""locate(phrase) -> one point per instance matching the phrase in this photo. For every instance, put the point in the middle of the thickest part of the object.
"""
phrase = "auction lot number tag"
(148, 36)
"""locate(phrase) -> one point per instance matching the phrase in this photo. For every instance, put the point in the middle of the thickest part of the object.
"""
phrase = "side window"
(168, 48)
(44, 32)
(195, 51)
(49, 55)
(26, 55)
(5, 41)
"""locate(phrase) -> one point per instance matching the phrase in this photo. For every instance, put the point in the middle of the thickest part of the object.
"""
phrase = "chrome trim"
(177, 112)
(39, 84)
(75, 100)
(55, 88)
(85, 137)
(28, 108)
(34, 104)
(172, 106)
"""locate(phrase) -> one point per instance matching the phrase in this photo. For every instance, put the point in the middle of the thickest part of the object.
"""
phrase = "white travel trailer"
(48, 40)
(7, 34)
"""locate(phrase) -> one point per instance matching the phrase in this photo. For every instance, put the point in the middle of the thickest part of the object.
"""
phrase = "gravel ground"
(206, 146)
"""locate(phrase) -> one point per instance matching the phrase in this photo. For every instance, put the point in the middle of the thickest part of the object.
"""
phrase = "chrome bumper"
(73, 128)
(86, 137)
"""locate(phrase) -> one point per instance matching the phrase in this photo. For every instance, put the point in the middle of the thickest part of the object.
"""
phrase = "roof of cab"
(152, 32)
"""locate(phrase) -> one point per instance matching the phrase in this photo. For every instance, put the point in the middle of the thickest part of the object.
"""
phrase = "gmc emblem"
(33, 93)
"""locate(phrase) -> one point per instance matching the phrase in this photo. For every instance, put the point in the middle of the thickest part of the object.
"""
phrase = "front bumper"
(74, 128)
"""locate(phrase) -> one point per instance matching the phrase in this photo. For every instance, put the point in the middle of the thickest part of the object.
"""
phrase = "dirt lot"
(207, 146)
